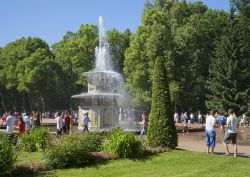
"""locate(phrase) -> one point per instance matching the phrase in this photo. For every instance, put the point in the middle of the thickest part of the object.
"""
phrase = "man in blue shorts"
(210, 131)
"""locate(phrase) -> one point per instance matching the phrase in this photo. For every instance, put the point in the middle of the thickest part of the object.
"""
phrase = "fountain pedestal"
(102, 118)
(101, 101)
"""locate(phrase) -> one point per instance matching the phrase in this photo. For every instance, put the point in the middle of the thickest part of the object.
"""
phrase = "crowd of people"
(64, 122)
(228, 127)
(25, 121)
(21, 121)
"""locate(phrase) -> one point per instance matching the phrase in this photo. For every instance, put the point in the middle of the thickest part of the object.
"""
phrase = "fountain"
(105, 88)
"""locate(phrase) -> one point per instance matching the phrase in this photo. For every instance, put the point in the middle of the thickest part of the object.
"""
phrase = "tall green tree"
(184, 34)
(39, 76)
(161, 130)
(11, 55)
(119, 42)
(228, 85)
(76, 54)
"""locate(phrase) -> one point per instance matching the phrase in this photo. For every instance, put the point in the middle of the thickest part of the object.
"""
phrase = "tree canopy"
(205, 51)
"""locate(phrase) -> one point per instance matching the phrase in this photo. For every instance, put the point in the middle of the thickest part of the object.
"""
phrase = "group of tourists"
(64, 122)
(188, 118)
(21, 121)
(230, 134)
(228, 127)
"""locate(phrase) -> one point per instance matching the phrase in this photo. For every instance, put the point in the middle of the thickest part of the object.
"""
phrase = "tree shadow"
(22, 171)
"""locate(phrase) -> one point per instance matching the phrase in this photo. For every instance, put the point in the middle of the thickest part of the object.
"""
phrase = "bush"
(35, 140)
(72, 150)
(123, 144)
(161, 131)
(7, 156)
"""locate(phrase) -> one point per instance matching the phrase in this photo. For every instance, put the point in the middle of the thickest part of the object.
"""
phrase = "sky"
(51, 19)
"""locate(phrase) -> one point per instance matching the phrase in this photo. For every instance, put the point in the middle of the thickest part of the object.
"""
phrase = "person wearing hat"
(86, 121)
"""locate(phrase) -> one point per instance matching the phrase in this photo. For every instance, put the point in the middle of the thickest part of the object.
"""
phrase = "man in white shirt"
(26, 119)
(231, 134)
(59, 123)
(10, 121)
(192, 118)
(210, 131)
(199, 118)
(176, 117)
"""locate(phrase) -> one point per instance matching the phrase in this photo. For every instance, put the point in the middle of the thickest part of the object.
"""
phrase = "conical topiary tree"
(161, 130)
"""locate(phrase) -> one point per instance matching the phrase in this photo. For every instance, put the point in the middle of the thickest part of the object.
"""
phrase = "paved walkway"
(196, 142)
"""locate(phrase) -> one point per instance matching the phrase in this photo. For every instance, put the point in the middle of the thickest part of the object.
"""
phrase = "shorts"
(221, 123)
(210, 138)
(230, 137)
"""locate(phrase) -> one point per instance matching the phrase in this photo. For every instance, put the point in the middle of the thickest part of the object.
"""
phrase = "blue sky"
(51, 19)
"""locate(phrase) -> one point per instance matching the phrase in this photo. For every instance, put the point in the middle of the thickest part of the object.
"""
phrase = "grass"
(29, 157)
(29, 164)
(173, 164)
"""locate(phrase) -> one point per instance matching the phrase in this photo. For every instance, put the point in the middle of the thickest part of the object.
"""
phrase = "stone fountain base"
(102, 118)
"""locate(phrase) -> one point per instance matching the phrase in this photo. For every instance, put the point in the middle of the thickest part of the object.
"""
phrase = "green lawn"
(27, 157)
(172, 164)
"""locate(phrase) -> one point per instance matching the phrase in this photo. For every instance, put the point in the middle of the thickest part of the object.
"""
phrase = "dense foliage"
(35, 139)
(161, 130)
(72, 150)
(229, 80)
(123, 144)
(203, 50)
(184, 35)
(7, 156)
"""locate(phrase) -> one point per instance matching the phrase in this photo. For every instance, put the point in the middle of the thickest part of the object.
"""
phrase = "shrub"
(7, 156)
(122, 144)
(161, 130)
(72, 150)
(35, 140)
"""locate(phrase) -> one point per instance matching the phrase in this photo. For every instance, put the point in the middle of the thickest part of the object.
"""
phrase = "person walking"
(4, 117)
(176, 117)
(144, 124)
(199, 119)
(26, 120)
(231, 134)
(59, 123)
(67, 122)
(10, 121)
(86, 121)
(192, 118)
(210, 131)
(21, 125)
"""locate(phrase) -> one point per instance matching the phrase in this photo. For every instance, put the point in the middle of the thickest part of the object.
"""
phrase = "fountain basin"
(89, 100)
(104, 81)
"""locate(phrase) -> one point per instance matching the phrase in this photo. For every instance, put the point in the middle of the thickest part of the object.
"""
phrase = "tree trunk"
(30, 101)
